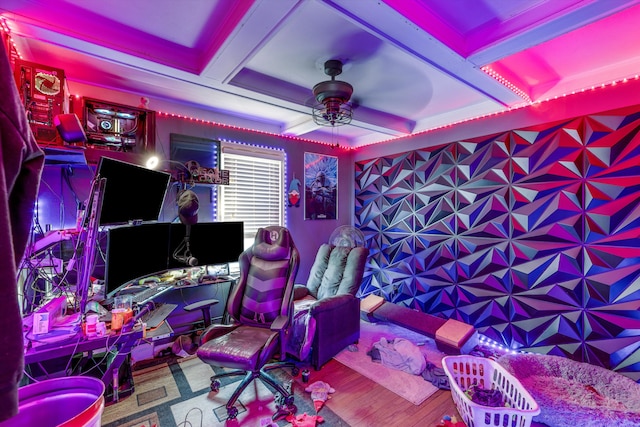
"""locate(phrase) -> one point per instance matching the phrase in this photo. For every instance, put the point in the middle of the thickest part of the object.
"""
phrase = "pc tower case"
(44, 94)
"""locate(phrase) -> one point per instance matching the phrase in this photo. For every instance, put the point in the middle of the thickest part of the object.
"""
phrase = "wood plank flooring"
(362, 402)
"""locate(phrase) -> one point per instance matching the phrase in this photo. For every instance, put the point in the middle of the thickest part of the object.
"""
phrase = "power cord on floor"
(187, 423)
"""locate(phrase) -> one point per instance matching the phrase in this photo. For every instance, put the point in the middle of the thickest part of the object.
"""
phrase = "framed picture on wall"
(320, 186)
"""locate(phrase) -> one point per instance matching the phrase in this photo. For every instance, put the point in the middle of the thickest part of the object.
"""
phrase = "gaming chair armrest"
(279, 323)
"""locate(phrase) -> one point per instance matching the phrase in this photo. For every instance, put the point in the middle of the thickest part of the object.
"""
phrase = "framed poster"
(320, 186)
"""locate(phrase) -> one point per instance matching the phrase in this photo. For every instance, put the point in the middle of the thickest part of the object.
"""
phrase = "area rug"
(413, 388)
(178, 394)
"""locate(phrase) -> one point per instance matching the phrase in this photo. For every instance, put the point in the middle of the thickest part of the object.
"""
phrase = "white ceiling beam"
(256, 28)
(514, 42)
(384, 22)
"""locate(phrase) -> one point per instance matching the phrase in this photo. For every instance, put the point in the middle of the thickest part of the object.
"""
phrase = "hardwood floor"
(362, 402)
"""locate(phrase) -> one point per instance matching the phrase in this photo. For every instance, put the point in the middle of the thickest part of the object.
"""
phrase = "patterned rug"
(177, 394)
(413, 388)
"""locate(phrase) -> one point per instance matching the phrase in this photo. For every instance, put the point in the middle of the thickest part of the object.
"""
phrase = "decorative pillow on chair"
(266, 283)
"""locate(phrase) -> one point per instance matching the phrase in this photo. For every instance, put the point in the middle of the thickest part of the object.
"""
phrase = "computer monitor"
(134, 251)
(210, 242)
(132, 192)
(139, 250)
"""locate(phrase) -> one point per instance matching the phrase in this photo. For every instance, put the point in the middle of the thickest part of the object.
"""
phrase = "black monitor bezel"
(132, 193)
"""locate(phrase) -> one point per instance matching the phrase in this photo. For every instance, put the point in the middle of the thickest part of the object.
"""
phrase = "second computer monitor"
(138, 250)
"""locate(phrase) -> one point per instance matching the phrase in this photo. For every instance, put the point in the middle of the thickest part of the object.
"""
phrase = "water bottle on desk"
(121, 312)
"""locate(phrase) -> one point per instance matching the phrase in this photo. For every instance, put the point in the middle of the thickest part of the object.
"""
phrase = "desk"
(181, 287)
(122, 343)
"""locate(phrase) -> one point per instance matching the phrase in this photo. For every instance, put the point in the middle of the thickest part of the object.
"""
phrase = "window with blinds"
(255, 194)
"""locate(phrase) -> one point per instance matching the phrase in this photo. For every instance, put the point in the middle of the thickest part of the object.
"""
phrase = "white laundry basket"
(464, 371)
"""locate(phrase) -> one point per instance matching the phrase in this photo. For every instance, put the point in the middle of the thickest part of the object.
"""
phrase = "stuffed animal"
(319, 393)
(448, 421)
(304, 420)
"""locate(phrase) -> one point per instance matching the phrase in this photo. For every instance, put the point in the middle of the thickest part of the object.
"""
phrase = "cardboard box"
(51, 313)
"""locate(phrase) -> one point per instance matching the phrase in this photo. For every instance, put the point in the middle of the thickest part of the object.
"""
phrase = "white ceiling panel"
(414, 64)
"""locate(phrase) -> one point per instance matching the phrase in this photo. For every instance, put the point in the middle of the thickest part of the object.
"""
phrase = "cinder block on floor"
(455, 337)
(143, 351)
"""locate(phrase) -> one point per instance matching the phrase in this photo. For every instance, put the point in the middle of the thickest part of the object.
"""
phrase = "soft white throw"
(572, 394)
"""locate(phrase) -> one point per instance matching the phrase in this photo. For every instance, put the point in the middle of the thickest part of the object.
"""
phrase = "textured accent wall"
(531, 235)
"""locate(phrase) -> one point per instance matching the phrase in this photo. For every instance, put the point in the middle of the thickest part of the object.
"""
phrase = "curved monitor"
(135, 251)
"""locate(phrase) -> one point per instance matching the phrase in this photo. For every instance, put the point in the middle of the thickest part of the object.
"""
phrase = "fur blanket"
(572, 393)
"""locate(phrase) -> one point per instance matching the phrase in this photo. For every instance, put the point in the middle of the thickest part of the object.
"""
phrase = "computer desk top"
(175, 278)
(39, 349)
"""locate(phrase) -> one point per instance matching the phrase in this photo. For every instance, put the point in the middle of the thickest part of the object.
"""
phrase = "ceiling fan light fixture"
(333, 116)
(333, 108)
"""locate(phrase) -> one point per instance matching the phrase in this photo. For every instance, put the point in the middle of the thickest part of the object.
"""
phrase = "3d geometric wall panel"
(531, 235)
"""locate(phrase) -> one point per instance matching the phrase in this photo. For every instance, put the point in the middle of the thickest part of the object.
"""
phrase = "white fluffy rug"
(575, 394)
(413, 388)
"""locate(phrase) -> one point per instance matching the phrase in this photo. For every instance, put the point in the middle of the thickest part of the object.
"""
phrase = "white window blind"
(255, 194)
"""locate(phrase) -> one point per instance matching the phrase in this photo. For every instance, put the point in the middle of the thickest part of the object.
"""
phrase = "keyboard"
(154, 318)
(150, 293)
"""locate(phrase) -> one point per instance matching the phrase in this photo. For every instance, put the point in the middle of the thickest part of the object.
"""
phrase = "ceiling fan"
(333, 108)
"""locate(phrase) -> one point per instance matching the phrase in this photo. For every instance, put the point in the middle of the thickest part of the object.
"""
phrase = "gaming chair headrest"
(272, 243)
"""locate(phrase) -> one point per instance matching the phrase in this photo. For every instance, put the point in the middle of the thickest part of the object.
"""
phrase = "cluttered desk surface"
(143, 289)
(64, 329)
(77, 343)
(56, 332)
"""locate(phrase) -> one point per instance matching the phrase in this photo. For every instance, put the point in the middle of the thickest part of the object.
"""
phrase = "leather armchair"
(260, 308)
(333, 282)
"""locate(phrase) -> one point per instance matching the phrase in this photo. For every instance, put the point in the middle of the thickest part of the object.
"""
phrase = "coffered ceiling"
(414, 64)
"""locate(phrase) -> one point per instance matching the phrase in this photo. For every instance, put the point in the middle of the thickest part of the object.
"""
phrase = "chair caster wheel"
(283, 411)
(232, 413)
(285, 403)
(295, 371)
(288, 401)
(215, 386)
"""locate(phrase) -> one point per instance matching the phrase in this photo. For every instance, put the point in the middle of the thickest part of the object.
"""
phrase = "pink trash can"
(60, 402)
